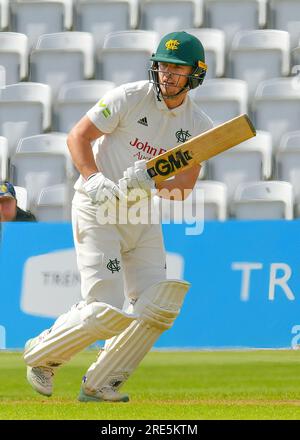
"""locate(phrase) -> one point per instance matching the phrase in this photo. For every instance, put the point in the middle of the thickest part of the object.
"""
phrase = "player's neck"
(175, 102)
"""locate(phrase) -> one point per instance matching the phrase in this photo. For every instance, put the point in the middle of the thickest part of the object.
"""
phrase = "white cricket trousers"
(116, 262)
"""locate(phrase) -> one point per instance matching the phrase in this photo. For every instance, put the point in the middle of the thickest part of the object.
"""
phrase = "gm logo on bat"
(174, 161)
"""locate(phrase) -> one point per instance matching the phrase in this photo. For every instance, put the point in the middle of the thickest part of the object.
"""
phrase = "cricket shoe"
(41, 379)
(107, 394)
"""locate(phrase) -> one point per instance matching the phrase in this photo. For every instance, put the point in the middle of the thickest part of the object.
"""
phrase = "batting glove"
(138, 177)
(99, 188)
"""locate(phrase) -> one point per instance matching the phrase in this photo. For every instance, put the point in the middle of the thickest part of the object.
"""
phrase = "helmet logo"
(172, 44)
(3, 188)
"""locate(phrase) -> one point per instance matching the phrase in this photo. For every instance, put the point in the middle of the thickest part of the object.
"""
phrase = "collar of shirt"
(162, 106)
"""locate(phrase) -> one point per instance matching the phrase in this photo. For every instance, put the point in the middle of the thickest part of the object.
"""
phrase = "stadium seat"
(75, 99)
(277, 107)
(14, 56)
(215, 199)
(53, 204)
(41, 161)
(295, 70)
(247, 162)
(164, 16)
(288, 161)
(296, 58)
(3, 158)
(4, 15)
(102, 17)
(25, 110)
(258, 55)
(22, 197)
(232, 16)
(129, 49)
(222, 99)
(207, 201)
(213, 41)
(2, 76)
(263, 200)
(59, 58)
(285, 15)
(35, 17)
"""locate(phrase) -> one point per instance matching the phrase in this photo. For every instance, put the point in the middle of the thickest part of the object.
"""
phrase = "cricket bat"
(200, 148)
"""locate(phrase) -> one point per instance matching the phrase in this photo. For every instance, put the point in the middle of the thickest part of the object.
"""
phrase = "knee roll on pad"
(160, 305)
(104, 321)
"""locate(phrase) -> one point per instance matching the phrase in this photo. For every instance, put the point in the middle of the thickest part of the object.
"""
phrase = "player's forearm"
(82, 154)
(181, 186)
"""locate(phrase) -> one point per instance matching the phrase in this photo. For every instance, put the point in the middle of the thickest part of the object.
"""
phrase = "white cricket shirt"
(139, 126)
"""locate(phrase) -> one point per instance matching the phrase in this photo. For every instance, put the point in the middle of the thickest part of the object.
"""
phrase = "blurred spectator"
(9, 210)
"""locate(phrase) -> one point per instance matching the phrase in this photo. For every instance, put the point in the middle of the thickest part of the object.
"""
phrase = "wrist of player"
(92, 175)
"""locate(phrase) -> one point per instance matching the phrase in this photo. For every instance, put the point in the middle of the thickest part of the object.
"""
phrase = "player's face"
(172, 77)
(8, 209)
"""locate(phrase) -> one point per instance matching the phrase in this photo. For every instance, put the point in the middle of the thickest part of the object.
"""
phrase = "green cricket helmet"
(183, 49)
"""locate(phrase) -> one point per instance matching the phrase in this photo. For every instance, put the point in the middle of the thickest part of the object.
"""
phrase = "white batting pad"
(75, 330)
(158, 307)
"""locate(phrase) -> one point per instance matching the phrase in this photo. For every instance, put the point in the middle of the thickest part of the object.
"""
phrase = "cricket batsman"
(127, 300)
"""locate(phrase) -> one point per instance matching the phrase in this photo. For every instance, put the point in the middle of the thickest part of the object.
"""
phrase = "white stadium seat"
(249, 161)
(22, 197)
(263, 200)
(285, 15)
(75, 99)
(53, 204)
(232, 16)
(296, 58)
(277, 107)
(35, 17)
(206, 202)
(222, 99)
(14, 56)
(2, 76)
(165, 16)
(295, 70)
(102, 17)
(4, 14)
(215, 199)
(62, 57)
(258, 55)
(3, 158)
(288, 161)
(125, 56)
(25, 110)
(213, 41)
(41, 161)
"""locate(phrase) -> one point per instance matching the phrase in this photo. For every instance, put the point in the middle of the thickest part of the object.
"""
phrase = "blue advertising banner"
(245, 283)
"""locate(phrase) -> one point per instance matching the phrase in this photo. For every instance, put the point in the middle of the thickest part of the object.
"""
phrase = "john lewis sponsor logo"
(146, 147)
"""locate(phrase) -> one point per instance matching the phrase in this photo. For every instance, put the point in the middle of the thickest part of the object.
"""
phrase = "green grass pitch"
(168, 385)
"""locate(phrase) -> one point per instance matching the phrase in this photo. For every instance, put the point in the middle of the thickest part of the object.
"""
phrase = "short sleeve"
(109, 110)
